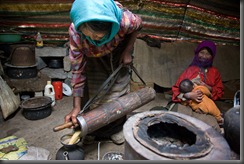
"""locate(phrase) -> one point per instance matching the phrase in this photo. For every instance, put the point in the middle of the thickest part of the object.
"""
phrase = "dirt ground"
(39, 133)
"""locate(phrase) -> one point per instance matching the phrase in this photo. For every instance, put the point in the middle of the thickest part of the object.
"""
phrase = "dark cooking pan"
(37, 107)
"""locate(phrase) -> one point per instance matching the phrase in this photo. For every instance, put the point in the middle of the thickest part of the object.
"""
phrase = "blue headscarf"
(96, 10)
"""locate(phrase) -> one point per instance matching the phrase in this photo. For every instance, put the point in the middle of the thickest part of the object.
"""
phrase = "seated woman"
(202, 72)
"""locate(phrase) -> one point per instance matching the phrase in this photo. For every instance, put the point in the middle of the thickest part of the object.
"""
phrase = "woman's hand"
(196, 95)
(75, 111)
(72, 117)
(126, 58)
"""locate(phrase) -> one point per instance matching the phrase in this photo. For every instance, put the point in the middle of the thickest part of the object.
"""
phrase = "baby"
(207, 105)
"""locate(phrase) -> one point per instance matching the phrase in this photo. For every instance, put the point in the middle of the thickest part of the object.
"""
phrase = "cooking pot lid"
(36, 102)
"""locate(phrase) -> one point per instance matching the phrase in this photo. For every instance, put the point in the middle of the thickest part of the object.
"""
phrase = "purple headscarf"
(204, 44)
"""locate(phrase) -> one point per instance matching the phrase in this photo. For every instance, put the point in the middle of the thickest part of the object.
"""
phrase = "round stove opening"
(166, 135)
(171, 135)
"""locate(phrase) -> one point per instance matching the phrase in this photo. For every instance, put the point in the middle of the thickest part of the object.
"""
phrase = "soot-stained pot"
(22, 64)
(21, 72)
(23, 55)
(37, 107)
(55, 62)
(70, 151)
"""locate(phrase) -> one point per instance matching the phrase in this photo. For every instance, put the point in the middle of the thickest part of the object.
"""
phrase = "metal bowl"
(23, 55)
(66, 138)
(9, 37)
(113, 156)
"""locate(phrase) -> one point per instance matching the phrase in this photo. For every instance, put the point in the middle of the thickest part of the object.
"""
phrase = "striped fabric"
(167, 20)
(49, 17)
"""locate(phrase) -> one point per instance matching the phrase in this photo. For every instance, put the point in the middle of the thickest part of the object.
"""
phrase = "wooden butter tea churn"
(91, 120)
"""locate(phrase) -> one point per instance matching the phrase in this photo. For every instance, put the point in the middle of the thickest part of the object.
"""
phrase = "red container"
(58, 89)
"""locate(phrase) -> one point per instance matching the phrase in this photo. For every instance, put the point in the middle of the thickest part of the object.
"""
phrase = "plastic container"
(67, 90)
(39, 41)
(58, 89)
(24, 97)
(49, 92)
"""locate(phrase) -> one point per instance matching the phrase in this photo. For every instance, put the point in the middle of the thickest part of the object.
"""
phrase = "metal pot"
(70, 152)
(23, 55)
(21, 72)
(37, 107)
(55, 62)
(232, 128)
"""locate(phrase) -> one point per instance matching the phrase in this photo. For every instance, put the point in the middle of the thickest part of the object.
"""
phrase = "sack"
(9, 102)
(36, 153)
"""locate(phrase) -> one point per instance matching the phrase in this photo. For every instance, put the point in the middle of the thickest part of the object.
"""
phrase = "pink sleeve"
(130, 22)
(78, 62)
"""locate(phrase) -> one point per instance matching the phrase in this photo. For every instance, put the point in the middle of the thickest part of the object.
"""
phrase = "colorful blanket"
(12, 148)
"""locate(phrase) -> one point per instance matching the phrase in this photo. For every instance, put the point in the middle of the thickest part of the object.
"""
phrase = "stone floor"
(39, 133)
